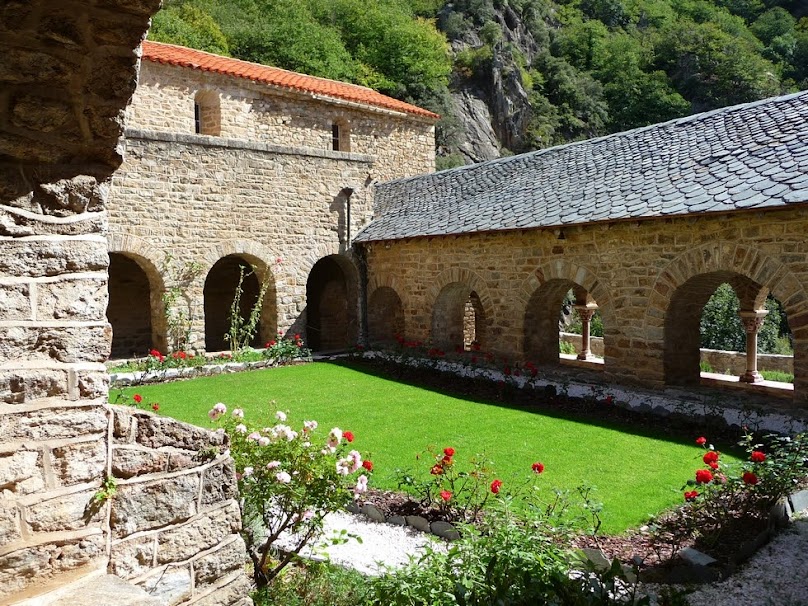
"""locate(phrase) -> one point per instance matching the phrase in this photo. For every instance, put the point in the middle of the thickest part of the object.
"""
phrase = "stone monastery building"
(322, 188)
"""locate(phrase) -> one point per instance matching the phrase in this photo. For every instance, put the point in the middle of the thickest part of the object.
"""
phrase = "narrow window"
(197, 119)
(335, 137)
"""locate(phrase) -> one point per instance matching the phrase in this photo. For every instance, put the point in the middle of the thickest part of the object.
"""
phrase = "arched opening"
(458, 319)
(552, 308)
(332, 320)
(688, 327)
(129, 310)
(207, 113)
(220, 292)
(385, 317)
(340, 135)
(724, 329)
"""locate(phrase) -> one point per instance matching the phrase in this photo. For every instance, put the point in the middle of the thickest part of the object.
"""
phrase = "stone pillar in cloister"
(585, 312)
(752, 323)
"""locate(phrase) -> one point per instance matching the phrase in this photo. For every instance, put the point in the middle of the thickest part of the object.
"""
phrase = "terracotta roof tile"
(181, 56)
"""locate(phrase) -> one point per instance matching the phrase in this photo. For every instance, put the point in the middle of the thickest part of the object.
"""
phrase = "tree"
(188, 25)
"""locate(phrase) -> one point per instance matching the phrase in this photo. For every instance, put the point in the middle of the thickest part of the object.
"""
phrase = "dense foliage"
(585, 67)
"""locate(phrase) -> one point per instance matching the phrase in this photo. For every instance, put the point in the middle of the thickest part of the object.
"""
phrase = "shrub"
(283, 351)
(777, 375)
(288, 481)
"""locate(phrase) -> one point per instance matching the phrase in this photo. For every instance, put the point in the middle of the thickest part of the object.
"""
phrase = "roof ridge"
(183, 56)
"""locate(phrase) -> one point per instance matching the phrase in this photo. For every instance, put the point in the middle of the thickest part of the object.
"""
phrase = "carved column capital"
(753, 320)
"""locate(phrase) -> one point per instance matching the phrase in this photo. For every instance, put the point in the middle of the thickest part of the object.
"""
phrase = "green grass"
(777, 375)
(636, 473)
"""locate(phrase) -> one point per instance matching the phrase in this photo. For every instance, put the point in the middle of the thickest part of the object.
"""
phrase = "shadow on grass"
(676, 428)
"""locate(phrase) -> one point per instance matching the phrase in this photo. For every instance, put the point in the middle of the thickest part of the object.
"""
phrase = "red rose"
(713, 464)
(710, 456)
(436, 470)
(449, 451)
(537, 467)
(348, 435)
(704, 476)
(701, 441)
(691, 495)
(507, 371)
(757, 456)
(446, 460)
(749, 478)
(155, 406)
(367, 465)
(495, 486)
(445, 495)
(137, 398)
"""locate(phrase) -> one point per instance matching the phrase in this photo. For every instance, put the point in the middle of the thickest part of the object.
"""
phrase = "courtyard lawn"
(635, 474)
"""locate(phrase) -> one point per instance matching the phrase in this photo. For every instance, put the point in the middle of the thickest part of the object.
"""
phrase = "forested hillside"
(514, 75)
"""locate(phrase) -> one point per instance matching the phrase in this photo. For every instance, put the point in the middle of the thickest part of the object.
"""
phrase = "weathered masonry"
(230, 164)
(67, 70)
(642, 225)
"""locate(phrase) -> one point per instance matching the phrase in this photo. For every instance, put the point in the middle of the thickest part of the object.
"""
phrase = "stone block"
(77, 463)
(219, 483)
(172, 585)
(209, 568)
(91, 384)
(24, 567)
(17, 225)
(418, 522)
(444, 530)
(200, 534)
(179, 460)
(149, 505)
(799, 501)
(123, 424)
(134, 461)
(41, 114)
(63, 344)
(54, 424)
(33, 67)
(21, 386)
(73, 300)
(105, 589)
(9, 524)
(132, 558)
(14, 301)
(155, 432)
(234, 593)
(21, 472)
(68, 512)
(52, 257)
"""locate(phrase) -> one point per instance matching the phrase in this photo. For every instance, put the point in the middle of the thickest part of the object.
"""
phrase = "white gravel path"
(776, 576)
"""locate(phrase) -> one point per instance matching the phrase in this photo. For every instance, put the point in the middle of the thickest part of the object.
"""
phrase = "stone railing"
(724, 362)
(174, 520)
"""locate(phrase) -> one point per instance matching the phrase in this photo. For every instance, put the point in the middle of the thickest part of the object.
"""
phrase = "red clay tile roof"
(181, 56)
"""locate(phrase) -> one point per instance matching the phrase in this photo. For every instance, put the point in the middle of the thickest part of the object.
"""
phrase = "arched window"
(207, 113)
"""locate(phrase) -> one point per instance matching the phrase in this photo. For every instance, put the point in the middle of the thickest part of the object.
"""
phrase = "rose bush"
(288, 479)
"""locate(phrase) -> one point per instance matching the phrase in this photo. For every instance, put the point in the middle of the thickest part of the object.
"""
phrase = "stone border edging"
(440, 528)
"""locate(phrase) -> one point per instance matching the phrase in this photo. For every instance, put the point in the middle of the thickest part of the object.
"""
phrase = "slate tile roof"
(181, 56)
(746, 156)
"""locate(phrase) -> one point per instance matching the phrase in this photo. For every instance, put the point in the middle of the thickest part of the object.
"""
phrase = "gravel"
(776, 576)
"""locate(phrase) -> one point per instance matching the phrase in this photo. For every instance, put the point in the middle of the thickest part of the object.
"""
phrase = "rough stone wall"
(67, 70)
(174, 519)
(632, 270)
(164, 102)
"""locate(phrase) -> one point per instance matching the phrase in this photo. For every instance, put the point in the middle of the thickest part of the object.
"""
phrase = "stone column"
(752, 321)
(585, 312)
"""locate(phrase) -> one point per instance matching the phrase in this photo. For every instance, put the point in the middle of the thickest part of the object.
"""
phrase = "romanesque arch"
(543, 294)
(461, 308)
(133, 309)
(385, 315)
(332, 304)
(685, 285)
(221, 284)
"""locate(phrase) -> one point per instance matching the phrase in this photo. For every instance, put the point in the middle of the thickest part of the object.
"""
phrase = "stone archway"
(332, 318)
(131, 310)
(385, 317)
(458, 316)
(219, 292)
(681, 286)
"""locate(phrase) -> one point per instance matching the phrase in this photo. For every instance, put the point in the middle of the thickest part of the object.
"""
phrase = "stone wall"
(164, 102)
(68, 69)
(174, 519)
(640, 273)
(267, 189)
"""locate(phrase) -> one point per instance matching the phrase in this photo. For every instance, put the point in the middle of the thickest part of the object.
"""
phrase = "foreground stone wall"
(633, 270)
(174, 519)
(68, 69)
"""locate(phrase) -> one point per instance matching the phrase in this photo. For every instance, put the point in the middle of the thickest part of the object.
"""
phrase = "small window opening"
(197, 119)
(335, 141)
